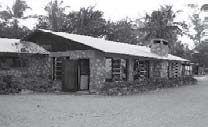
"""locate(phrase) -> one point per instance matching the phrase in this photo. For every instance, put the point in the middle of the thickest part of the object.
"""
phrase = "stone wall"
(33, 76)
(158, 69)
(165, 69)
(97, 72)
(131, 69)
(155, 68)
(34, 65)
(39, 65)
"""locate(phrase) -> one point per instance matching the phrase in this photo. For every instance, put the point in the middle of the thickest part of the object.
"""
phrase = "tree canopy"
(86, 21)
(197, 24)
(201, 46)
(55, 17)
(9, 24)
(122, 31)
(17, 10)
(161, 24)
(91, 22)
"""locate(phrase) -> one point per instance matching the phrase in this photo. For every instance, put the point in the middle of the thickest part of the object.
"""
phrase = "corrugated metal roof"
(113, 47)
(14, 46)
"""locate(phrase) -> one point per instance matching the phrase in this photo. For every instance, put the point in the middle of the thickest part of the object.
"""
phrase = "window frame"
(147, 69)
(120, 71)
(54, 67)
(109, 79)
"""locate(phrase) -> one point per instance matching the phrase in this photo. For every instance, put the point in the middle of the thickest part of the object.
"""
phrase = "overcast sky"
(114, 9)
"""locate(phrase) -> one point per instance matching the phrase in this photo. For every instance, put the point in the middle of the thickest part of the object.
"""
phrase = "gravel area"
(174, 107)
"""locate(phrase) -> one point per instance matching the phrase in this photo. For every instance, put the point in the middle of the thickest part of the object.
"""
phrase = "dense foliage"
(200, 52)
(10, 20)
(135, 87)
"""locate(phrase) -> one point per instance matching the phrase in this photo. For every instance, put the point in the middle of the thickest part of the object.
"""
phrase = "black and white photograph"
(103, 63)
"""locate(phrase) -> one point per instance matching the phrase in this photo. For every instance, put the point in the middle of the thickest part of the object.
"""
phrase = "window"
(124, 69)
(188, 70)
(175, 70)
(108, 69)
(157, 41)
(205, 33)
(58, 67)
(141, 69)
(116, 69)
(165, 42)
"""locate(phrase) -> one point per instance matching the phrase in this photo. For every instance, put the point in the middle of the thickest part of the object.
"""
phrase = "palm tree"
(16, 12)
(11, 17)
(161, 24)
(55, 16)
(86, 21)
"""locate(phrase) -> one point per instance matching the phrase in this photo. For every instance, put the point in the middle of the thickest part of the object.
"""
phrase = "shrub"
(132, 87)
(10, 84)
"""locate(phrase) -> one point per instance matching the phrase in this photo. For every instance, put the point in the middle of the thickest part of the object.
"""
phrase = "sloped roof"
(113, 47)
(15, 46)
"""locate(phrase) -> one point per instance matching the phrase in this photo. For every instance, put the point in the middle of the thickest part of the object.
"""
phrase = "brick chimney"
(160, 47)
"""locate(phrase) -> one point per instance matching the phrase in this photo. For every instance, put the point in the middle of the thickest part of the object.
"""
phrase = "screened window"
(141, 69)
(58, 67)
(124, 69)
(116, 69)
(188, 70)
(175, 70)
(157, 41)
(108, 69)
(165, 42)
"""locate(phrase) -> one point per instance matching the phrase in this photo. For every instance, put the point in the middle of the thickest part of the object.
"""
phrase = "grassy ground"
(175, 107)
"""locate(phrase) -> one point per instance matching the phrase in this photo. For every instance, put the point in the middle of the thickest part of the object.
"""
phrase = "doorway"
(84, 73)
(76, 75)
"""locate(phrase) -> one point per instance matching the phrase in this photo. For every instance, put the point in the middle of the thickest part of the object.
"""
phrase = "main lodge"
(80, 62)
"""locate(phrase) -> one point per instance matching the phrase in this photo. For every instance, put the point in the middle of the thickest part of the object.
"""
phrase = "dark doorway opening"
(76, 75)
(70, 77)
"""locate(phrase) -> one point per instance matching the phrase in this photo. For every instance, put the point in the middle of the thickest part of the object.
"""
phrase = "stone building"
(11, 51)
(85, 63)
(17, 58)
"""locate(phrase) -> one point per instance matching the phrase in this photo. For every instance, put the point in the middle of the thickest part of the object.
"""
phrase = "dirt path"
(176, 107)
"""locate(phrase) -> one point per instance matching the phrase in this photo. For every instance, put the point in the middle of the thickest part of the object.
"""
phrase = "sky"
(114, 9)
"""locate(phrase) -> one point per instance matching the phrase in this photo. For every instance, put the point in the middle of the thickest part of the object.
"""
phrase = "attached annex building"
(86, 63)
(11, 51)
